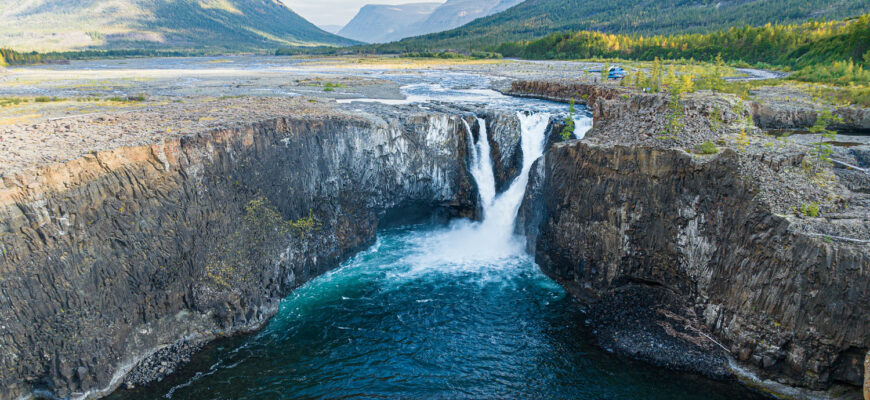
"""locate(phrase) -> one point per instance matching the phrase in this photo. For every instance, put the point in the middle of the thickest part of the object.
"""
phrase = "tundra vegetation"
(831, 56)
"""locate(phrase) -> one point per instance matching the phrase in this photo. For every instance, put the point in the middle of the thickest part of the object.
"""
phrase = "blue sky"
(337, 12)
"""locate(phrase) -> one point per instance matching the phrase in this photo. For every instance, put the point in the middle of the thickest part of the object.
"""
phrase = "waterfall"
(472, 245)
(481, 164)
(502, 212)
(582, 125)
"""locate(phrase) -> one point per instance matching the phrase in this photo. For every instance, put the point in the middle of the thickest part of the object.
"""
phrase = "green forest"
(793, 46)
(835, 53)
(537, 18)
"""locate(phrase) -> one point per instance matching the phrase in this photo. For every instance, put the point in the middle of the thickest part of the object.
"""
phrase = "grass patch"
(708, 148)
(11, 101)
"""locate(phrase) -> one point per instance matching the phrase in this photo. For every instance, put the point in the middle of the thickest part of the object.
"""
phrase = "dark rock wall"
(505, 139)
(109, 258)
(774, 116)
(582, 93)
(601, 219)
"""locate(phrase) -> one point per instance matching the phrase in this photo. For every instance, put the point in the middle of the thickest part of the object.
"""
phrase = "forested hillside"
(537, 18)
(782, 45)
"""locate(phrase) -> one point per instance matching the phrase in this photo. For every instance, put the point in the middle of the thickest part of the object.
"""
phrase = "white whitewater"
(481, 164)
(582, 125)
(474, 246)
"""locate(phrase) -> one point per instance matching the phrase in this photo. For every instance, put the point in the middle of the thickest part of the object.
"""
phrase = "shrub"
(708, 148)
(810, 210)
(569, 122)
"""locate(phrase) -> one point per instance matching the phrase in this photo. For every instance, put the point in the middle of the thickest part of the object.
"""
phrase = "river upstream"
(446, 311)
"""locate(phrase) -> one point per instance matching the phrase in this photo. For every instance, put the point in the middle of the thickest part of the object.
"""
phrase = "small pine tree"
(605, 72)
(717, 77)
(670, 79)
(688, 83)
(823, 150)
(656, 72)
(568, 130)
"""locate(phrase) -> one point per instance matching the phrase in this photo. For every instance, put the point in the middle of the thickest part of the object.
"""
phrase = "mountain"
(537, 18)
(331, 28)
(377, 23)
(60, 25)
(455, 13)
(383, 23)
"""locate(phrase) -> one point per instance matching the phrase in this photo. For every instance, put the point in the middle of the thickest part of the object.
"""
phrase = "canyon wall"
(685, 264)
(109, 258)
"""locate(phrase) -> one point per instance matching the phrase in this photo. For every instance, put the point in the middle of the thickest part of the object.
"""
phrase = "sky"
(337, 12)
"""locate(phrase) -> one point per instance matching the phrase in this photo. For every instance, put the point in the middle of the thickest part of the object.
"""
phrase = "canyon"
(121, 259)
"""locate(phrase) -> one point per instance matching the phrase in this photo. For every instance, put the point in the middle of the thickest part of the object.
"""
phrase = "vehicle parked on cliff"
(613, 72)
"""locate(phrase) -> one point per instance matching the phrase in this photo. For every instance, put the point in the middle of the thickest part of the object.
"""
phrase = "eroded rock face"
(106, 259)
(602, 219)
(582, 93)
(768, 115)
(791, 117)
(867, 377)
(505, 137)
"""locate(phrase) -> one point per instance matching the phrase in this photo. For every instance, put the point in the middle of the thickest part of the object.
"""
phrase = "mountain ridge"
(65, 25)
(380, 23)
(537, 18)
(407, 20)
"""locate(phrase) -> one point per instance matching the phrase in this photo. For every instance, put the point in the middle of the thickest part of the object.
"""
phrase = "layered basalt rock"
(582, 93)
(774, 116)
(767, 114)
(107, 259)
(706, 246)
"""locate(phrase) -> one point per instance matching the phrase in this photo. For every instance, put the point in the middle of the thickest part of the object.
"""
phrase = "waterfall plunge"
(471, 245)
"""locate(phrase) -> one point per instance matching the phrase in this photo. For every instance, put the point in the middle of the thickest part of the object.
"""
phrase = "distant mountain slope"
(455, 13)
(536, 18)
(58, 25)
(381, 23)
(377, 23)
(331, 28)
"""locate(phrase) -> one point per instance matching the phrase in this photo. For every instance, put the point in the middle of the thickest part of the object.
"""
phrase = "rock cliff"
(767, 114)
(124, 255)
(690, 260)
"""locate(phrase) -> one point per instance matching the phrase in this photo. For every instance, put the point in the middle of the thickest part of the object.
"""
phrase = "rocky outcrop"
(693, 235)
(867, 377)
(505, 135)
(108, 261)
(774, 116)
(766, 114)
(582, 93)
